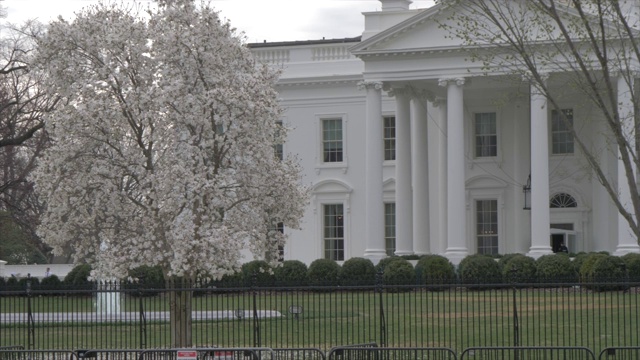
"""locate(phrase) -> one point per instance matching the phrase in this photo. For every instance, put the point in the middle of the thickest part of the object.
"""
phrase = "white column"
(627, 241)
(540, 220)
(420, 174)
(374, 229)
(456, 209)
(404, 207)
(438, 183)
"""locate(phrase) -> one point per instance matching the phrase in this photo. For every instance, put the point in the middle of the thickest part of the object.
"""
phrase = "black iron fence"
(454, 316)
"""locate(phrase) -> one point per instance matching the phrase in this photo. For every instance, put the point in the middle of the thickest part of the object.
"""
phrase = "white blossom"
(164, 146)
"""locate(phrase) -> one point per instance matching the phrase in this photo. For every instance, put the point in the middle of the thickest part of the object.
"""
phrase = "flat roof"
(304, 42)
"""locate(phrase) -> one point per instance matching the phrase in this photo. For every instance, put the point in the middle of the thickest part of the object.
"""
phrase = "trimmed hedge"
(385, 262)
(144, 279)
(399, 272)
(262, 272)
(519, 268)
(603, 273)
(479, 269)
(555, 268)
(435, 270)
(357, 271)
(291, 273)
(324, 272)
(632, 262)
(78, 277)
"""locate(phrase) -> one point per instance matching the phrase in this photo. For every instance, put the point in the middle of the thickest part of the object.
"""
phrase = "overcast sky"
(271, 20)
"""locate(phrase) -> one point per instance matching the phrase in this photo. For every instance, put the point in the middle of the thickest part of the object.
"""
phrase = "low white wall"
(20, 271)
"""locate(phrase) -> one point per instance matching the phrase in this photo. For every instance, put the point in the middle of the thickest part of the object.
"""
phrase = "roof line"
(266, 44)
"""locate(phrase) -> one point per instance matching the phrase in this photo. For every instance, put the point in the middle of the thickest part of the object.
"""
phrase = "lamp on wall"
(526, 189)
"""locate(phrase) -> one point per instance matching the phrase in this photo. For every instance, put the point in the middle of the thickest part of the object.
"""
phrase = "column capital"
(375, 85)
(439, 101)
(423, 94)
(455, 80)
(394, 91)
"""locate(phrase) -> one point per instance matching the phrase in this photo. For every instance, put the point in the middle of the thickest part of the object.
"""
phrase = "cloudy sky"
(271, 20)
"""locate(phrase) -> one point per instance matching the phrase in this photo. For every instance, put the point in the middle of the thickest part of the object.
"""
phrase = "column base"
(626, 249)
(375, 255)
(455, 255)
(403, 252)
(539, 251)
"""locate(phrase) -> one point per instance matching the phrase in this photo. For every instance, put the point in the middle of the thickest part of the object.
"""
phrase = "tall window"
(561, 137)
(278, 147)
(486, 135)
(389, 137)
(487, 226)
(333, 232)
(332, 140)
(390, 228)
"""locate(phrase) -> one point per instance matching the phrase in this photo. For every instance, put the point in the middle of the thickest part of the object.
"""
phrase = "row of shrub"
(598, 271)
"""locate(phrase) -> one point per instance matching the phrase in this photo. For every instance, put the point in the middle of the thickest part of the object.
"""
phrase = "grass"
(457, 319)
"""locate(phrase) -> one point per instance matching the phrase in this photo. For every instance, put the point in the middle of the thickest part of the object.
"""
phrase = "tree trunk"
(180, 312)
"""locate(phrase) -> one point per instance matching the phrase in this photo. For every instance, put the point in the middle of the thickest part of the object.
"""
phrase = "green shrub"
(554, 268)
(386, 261)
(145, 281)
(519, 269)
(399, 272)
(323, 272)
(435, 270)
(229, 281)
(604, 273)
(479, 269)
(259, 269)
(586, 269)
(78, 277)
(12, 283)
(357, 271)
(505, 258)
(632, 262)
(291, 273)
(34, 283)
(578, 260)
(51, 282)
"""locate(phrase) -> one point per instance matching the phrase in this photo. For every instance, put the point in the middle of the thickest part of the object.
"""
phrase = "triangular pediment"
(420, 32)
(426, 32)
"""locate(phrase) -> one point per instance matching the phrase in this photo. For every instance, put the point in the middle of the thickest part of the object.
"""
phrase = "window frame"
(389, 228)
(388, 140)
(476, 222)
(320, 164)
(328, 153)
(475, 135)
(336, 253)
(564, 131)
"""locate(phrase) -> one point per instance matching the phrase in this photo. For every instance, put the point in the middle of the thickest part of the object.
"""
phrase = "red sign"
(223, 355)
(187, 355)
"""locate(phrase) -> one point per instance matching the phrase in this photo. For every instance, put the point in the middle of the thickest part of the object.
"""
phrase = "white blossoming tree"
(163, 150)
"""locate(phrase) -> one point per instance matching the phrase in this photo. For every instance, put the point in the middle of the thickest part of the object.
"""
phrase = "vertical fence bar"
(30, 322)
(383, 326)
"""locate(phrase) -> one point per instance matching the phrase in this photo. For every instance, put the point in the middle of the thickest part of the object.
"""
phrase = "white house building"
(409, 149)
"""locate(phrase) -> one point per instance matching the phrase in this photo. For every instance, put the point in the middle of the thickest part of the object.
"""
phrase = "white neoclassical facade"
(409, 149)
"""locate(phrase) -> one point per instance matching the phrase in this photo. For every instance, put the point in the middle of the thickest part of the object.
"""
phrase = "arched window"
(562, 200)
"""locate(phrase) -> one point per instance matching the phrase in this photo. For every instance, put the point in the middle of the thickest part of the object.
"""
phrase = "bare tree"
(23, 104)
(589, 45)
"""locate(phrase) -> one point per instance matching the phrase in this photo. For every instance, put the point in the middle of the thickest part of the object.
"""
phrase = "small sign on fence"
(223, 355)
(187, 355)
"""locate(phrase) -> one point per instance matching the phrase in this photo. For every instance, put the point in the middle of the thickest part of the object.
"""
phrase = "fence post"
(256, 321)
(383, 325)
(30, 323)
(516, 325)
(143, 323)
